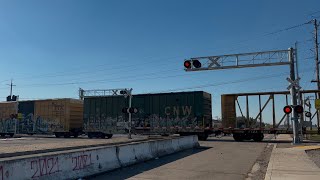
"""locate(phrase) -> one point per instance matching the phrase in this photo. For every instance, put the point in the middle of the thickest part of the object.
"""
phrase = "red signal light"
(298, 109)
(187, 64)
(287, 109)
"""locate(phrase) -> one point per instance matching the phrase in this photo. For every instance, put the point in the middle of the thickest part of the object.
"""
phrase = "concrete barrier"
(73, 164)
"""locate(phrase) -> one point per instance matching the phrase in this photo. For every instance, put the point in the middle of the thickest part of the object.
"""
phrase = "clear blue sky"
(51, 48)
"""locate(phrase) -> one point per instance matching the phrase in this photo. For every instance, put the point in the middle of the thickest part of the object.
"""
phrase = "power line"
(230, 82)
(120, 67)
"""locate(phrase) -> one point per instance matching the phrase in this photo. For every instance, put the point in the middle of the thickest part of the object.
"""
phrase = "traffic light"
(189, 63)
(287, 109)
(298, 109)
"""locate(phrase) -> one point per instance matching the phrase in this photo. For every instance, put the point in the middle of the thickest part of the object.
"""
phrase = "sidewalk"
(292, 163)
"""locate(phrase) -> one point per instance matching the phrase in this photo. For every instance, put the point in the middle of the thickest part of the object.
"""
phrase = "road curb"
(270, 164)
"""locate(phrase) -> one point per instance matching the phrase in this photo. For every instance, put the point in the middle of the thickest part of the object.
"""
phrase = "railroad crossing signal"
(189, 63)
(131, 110)
(288, 109)
(298, 109)
(294, 84)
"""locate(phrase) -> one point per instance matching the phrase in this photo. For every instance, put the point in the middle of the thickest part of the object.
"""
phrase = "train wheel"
(90, 135)
(66, 135)
(58, 135)
(202, 136)
(75, 135)
(237, 137)
(109, 136)
(258, 137)
(102, 135)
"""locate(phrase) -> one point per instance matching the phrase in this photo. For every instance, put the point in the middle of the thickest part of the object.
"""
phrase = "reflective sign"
(317, 103)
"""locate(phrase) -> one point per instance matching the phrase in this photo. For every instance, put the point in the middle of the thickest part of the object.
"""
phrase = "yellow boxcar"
(7, 120)
(62, 117)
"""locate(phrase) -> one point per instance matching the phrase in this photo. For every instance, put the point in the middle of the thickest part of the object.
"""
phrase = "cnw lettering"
(43, 167)
(177, 110)
(81, 161)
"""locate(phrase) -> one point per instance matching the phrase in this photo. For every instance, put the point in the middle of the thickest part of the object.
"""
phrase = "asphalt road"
(215, 159)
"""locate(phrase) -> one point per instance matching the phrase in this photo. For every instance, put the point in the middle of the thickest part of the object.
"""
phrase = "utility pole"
(316, 54)
(315, 24)
(11, 85)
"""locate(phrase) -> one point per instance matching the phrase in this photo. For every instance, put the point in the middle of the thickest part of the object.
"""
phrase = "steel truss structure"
(102, 92)
(254, 59)
(230, 101)
(244, 60)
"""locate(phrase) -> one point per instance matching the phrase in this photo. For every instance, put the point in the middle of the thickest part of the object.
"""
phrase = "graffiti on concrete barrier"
(81, 161)
(44, 166)
(3, 174)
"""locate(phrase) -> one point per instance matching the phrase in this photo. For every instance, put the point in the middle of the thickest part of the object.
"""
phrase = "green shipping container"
(158, 113)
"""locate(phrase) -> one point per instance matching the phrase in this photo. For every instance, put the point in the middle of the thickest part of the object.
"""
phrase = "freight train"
(184, 113)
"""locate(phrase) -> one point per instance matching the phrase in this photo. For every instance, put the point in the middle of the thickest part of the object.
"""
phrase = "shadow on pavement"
(264, 141)
(130, 171)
